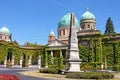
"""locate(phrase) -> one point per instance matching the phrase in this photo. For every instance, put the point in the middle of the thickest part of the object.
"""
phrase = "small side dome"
(52, 33)
(4, 30)
(87, 15)
(65, 21)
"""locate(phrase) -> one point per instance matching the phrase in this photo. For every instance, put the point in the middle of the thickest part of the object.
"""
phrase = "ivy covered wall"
(9, 49)
(97, 50)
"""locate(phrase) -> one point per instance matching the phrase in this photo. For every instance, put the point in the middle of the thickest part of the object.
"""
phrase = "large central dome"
(65, 21)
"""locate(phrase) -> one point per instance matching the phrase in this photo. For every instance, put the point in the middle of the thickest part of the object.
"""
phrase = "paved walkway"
(56, 76)
(34, 72)
(46, 76)
(21, 77)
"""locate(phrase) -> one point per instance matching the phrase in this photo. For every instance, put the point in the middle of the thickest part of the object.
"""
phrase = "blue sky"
(32, 20)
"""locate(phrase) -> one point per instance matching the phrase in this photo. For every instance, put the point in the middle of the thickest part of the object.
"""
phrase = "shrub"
(90, 75)
(50, 70)
(116, 68)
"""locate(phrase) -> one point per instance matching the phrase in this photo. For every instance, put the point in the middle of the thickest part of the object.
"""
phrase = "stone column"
(61, 60)
(46, 59)
(51, 56)
(61, 53)
(29, 61)
(21, 61)
(39, 62)
(5, 62)
(102, 66)
(13, 61)
(105, 63)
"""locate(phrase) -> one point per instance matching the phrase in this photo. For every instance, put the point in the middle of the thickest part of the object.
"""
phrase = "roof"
(65, 21)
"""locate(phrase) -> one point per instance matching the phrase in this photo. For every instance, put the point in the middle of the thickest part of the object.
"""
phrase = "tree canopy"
(109, 27)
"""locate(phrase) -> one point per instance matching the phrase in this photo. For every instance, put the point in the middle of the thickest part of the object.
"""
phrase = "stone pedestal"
(73, 66)
(39, 62)
(72, 58)
(5, 62)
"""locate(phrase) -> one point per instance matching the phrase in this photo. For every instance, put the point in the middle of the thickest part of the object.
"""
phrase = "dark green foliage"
(116, 67)
(28, 44)
(50, 70)
(60, 62)
(108, 54)
(86, 66)
(90, 75)
(15, 43)
(57, 63)
(92, 52)
(10, 49)
(84, 53)
(109, 27)
(97, 51)
(46, 58)
(111, 51)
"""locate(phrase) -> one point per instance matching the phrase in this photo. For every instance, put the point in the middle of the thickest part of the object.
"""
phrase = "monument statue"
(72, 58)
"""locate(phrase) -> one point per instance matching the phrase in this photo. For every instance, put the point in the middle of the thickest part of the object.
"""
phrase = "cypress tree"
(109, 27)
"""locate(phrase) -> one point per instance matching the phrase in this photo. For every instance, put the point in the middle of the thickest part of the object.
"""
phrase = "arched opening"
(9, 55)
(35, 59)
(24, 60)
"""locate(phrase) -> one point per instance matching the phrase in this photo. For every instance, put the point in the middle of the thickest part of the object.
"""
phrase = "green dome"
(65, 21)
(4, 30)
(87, 15)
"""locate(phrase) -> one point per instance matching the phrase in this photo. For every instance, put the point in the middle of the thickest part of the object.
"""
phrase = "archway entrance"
(24, 60)
(9, 55)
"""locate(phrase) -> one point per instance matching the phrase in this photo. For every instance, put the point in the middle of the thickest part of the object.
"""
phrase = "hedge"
(90, 75)
(50, 70)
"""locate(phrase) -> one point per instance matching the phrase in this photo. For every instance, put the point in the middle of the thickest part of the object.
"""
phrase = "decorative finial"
(4, 25)
(87, 9)
(68, 11)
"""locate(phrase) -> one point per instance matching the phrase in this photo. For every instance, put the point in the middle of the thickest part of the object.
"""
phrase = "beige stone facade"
(5, 37)
(88, 24)
(63, 34)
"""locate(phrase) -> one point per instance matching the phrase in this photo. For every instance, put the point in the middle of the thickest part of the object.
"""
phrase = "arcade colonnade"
(23, 62)
(47, 58)
(53, 54)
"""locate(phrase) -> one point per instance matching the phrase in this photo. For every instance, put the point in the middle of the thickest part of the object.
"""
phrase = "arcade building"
(59, 45)
(89, 38)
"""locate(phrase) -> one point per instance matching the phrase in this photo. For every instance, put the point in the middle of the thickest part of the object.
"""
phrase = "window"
(0, 37)
(88, 25)
(5, 37)
(63, 31)
(59, 32)
(82, 26)
(93, 26)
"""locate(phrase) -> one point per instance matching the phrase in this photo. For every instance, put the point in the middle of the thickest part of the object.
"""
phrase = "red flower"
(8, 77)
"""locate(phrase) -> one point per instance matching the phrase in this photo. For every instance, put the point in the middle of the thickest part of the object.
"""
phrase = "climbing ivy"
(16, 51)
(97, 50)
